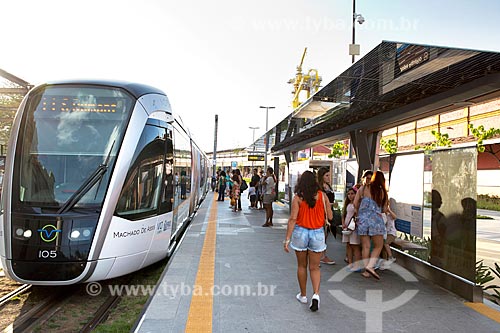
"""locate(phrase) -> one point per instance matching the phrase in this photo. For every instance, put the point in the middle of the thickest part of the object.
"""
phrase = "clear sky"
(223, 57)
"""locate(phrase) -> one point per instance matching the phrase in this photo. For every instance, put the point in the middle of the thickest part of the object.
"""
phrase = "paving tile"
(252, 257)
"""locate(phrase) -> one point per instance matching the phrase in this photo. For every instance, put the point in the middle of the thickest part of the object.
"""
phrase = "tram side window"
(182, 169)
(143, 185)
(167, 197)
(202, 167)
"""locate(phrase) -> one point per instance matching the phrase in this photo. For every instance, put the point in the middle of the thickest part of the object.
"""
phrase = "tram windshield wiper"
(87, 184)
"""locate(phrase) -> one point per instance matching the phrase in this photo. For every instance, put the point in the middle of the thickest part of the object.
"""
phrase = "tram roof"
(135, 89)
(393, 84)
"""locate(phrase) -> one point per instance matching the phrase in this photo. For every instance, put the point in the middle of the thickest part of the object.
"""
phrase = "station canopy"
(393, 84)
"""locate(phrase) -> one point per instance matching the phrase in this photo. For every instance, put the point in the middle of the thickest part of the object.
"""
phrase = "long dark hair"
(270, 172)
(236, 178)
(378, 190)
(307, 187)
(321, 173)
(347, 202)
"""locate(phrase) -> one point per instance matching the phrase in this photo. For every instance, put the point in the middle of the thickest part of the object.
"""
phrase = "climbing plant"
(390, 146)
(442, 140)
(481, 134)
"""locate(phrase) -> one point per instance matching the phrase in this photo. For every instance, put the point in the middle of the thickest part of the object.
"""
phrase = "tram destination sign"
(255, 157)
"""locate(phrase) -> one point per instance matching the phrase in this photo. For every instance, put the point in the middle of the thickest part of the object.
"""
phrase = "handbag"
(352, 224)
(328, 227)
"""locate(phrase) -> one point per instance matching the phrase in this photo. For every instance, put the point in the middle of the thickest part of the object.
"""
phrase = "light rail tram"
(100, 180)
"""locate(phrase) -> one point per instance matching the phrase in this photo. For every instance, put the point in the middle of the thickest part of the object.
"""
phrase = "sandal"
(372, 273)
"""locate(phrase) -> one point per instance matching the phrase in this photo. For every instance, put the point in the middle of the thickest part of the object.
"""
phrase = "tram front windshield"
(66, 133)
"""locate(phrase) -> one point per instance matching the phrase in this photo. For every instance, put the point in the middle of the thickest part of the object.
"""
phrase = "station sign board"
(256, 157)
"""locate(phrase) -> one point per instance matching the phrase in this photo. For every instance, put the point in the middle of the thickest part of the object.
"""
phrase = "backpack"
(243, 185)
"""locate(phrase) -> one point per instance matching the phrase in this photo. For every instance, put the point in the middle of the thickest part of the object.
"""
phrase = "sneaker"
(314, 303)
(386, 264)
(301, 299)
(327, 261)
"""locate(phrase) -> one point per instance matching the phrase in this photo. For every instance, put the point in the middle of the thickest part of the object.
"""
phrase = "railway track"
(8, 297)
(41, 311)
(101, 314)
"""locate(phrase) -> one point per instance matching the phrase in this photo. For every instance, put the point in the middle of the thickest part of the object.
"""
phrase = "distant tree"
(8, 107)
(339, 149)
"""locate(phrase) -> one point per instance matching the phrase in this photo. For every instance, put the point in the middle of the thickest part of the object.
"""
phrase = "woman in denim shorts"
(370, 202)
(305, 233)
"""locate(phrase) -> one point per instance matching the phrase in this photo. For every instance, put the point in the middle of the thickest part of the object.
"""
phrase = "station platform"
(230, 274)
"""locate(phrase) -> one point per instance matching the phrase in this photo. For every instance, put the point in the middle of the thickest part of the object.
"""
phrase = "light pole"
(253, 139)
(267, 135)
(215, 145)
(253, 136)
(354, 48)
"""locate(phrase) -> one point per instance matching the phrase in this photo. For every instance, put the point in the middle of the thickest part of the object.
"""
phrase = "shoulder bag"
(243, 185)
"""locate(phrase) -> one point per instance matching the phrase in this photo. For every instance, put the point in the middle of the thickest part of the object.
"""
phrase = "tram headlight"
(23, 234)
(80, 234)
(75, 234)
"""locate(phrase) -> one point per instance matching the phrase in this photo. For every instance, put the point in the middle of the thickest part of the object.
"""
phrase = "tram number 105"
(46, 254)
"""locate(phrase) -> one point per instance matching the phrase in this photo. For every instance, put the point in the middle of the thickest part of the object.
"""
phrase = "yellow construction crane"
(309, 82)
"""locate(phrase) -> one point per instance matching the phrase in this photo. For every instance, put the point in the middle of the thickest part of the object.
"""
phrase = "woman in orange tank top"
(305, 233)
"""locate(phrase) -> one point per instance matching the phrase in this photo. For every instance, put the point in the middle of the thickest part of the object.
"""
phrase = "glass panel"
(453, 221)
(182, 154)
(141, 192)
(167, 201)
(66, 133)
(182, 178)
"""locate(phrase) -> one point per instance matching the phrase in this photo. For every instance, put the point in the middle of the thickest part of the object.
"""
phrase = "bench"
(404, 245)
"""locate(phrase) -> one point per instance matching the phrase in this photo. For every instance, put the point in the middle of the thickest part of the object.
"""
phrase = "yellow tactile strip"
(201, 308)
(485, 310)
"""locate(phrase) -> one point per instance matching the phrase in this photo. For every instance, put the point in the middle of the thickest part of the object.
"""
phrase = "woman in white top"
(351, 237)
(269, 195)
(391, 236)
